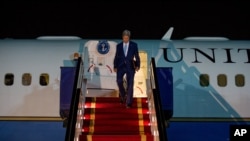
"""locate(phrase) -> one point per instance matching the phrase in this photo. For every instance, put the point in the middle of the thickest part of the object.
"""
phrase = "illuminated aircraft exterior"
(210, 74)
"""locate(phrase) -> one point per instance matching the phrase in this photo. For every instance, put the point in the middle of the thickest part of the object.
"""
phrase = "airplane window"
(204, 80)
(222, 80)
(26, 79)
(44, 79)
(239, 80)
(9, 79)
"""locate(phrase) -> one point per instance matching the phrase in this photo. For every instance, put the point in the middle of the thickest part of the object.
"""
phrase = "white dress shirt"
(126, 51)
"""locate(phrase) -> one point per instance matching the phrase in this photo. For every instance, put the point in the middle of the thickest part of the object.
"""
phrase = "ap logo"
(239, 132)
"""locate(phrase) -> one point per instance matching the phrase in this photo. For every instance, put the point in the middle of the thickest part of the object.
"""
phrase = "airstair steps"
(105, 118)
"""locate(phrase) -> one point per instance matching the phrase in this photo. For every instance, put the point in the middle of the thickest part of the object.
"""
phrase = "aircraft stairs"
(105, 118)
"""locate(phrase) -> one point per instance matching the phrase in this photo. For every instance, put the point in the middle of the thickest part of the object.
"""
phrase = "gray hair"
(126, 33)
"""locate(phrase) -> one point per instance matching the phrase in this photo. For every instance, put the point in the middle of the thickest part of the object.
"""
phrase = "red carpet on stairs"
(105, 119)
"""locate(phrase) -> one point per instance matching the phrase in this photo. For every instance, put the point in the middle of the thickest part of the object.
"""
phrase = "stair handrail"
(157, 102)
(76, 92)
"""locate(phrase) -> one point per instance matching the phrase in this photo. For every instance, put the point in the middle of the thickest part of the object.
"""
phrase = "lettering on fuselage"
(211, 58)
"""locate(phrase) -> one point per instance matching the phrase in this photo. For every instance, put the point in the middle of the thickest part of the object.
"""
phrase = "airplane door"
(98, 67)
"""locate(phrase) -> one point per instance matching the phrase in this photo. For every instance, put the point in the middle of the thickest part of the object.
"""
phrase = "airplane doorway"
(98, 70)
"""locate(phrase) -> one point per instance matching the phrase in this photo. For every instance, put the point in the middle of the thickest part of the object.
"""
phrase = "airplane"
(210, 74)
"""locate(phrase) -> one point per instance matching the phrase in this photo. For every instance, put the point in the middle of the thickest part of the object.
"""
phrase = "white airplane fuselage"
(224, 63)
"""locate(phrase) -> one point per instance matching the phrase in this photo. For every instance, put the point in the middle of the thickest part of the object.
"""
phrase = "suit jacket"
(121, 60)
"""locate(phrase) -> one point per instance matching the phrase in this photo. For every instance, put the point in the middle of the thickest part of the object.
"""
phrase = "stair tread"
(117, 137)
(105, 117)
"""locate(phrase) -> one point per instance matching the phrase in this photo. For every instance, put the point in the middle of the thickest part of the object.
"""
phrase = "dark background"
(147, 20)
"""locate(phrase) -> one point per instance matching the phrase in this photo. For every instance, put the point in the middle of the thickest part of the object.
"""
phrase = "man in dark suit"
(126, 61)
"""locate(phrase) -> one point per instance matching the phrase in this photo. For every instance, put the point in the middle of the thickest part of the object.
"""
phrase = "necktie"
(125, 49)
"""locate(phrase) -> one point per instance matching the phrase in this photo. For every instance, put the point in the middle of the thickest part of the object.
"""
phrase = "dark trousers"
(130, 83)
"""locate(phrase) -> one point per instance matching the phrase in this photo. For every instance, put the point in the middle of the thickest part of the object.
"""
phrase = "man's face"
(125, 38)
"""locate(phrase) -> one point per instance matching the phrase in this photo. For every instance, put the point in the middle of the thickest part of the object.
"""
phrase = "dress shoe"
(122, 100)
(128, 106)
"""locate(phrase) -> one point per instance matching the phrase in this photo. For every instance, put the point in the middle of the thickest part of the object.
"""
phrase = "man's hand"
(115, 69)
(137, 69)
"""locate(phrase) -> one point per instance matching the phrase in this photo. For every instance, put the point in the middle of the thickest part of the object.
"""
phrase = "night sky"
(106, 20)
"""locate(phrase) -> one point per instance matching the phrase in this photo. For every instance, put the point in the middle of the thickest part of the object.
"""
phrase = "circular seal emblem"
(103, 47)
